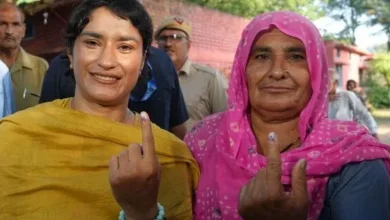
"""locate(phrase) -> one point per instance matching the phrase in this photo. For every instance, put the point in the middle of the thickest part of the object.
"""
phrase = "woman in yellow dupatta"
(54, 157)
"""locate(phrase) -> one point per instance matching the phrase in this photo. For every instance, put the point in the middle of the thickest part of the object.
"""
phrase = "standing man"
(27, 71)
(352, 86)
(204, 88)
(346, 106)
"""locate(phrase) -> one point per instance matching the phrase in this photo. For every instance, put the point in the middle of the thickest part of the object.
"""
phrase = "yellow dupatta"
(54, 165)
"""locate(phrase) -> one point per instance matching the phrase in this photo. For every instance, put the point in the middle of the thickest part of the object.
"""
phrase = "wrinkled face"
(175, 43)
(12, 27)
(277, 74)
(107, 58)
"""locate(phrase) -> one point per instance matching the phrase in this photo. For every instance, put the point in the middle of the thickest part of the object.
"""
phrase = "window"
(361, 75)
(338, 52)
(339, 68)
(339, 73)
(30, 29)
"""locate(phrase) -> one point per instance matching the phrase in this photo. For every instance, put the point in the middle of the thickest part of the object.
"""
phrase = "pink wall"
(350, 58)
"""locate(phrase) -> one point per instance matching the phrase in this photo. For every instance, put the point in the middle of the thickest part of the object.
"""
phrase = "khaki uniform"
(27, 75)
(204, 91)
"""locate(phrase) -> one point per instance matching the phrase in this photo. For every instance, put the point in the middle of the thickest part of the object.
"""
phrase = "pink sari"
(225, 146)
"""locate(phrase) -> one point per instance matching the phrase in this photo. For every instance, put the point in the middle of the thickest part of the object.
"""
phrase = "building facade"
(347, 62)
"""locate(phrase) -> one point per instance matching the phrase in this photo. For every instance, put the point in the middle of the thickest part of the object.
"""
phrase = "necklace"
(290, 145)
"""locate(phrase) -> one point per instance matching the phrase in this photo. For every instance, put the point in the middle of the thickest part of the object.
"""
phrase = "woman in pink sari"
(274, 154)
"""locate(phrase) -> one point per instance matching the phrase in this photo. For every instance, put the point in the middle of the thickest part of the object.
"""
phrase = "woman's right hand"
(135, 176)
(264, 197)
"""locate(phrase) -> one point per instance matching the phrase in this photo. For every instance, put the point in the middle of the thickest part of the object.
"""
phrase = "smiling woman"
(287, 159)
(107, 58)
(57, 153)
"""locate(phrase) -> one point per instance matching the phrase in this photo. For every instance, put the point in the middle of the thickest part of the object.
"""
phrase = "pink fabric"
(225, 146)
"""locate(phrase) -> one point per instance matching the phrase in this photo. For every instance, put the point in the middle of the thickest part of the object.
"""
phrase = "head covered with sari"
(54, 157)
(225, 145)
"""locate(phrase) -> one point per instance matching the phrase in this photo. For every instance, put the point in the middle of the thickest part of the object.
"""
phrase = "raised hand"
(264, 197)
(135, 176)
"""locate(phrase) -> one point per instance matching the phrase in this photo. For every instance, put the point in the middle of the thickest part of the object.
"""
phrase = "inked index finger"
(274, 167)
(147, 137)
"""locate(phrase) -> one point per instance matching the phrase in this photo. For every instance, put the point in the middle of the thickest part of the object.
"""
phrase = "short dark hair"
(351, 81)
(130, 10)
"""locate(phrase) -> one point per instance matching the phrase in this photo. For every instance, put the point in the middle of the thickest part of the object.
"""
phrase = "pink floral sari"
(225, 146)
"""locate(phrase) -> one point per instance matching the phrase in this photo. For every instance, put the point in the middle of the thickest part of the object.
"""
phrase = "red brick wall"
(215, 34)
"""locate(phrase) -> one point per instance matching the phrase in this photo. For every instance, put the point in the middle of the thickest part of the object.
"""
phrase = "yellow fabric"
(54, 165)
(27, 74)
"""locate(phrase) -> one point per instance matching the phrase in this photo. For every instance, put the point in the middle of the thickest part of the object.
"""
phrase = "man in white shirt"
(346, 106)
(6, 94)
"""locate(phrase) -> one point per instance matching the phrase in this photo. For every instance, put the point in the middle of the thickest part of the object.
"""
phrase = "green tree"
(379, 48)
(351, 13)
(378, 82)
(381, 65)
(251, 8)
(379, 12)
(337, 37)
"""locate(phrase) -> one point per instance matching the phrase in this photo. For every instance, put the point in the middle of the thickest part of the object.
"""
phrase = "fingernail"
(303, 164)
(272, 136)
(144, 116)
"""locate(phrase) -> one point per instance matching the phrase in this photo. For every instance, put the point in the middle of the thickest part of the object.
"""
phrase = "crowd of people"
(116, 128)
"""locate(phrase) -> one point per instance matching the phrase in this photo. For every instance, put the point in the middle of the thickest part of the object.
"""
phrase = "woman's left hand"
(264, 197)
(135, 176)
